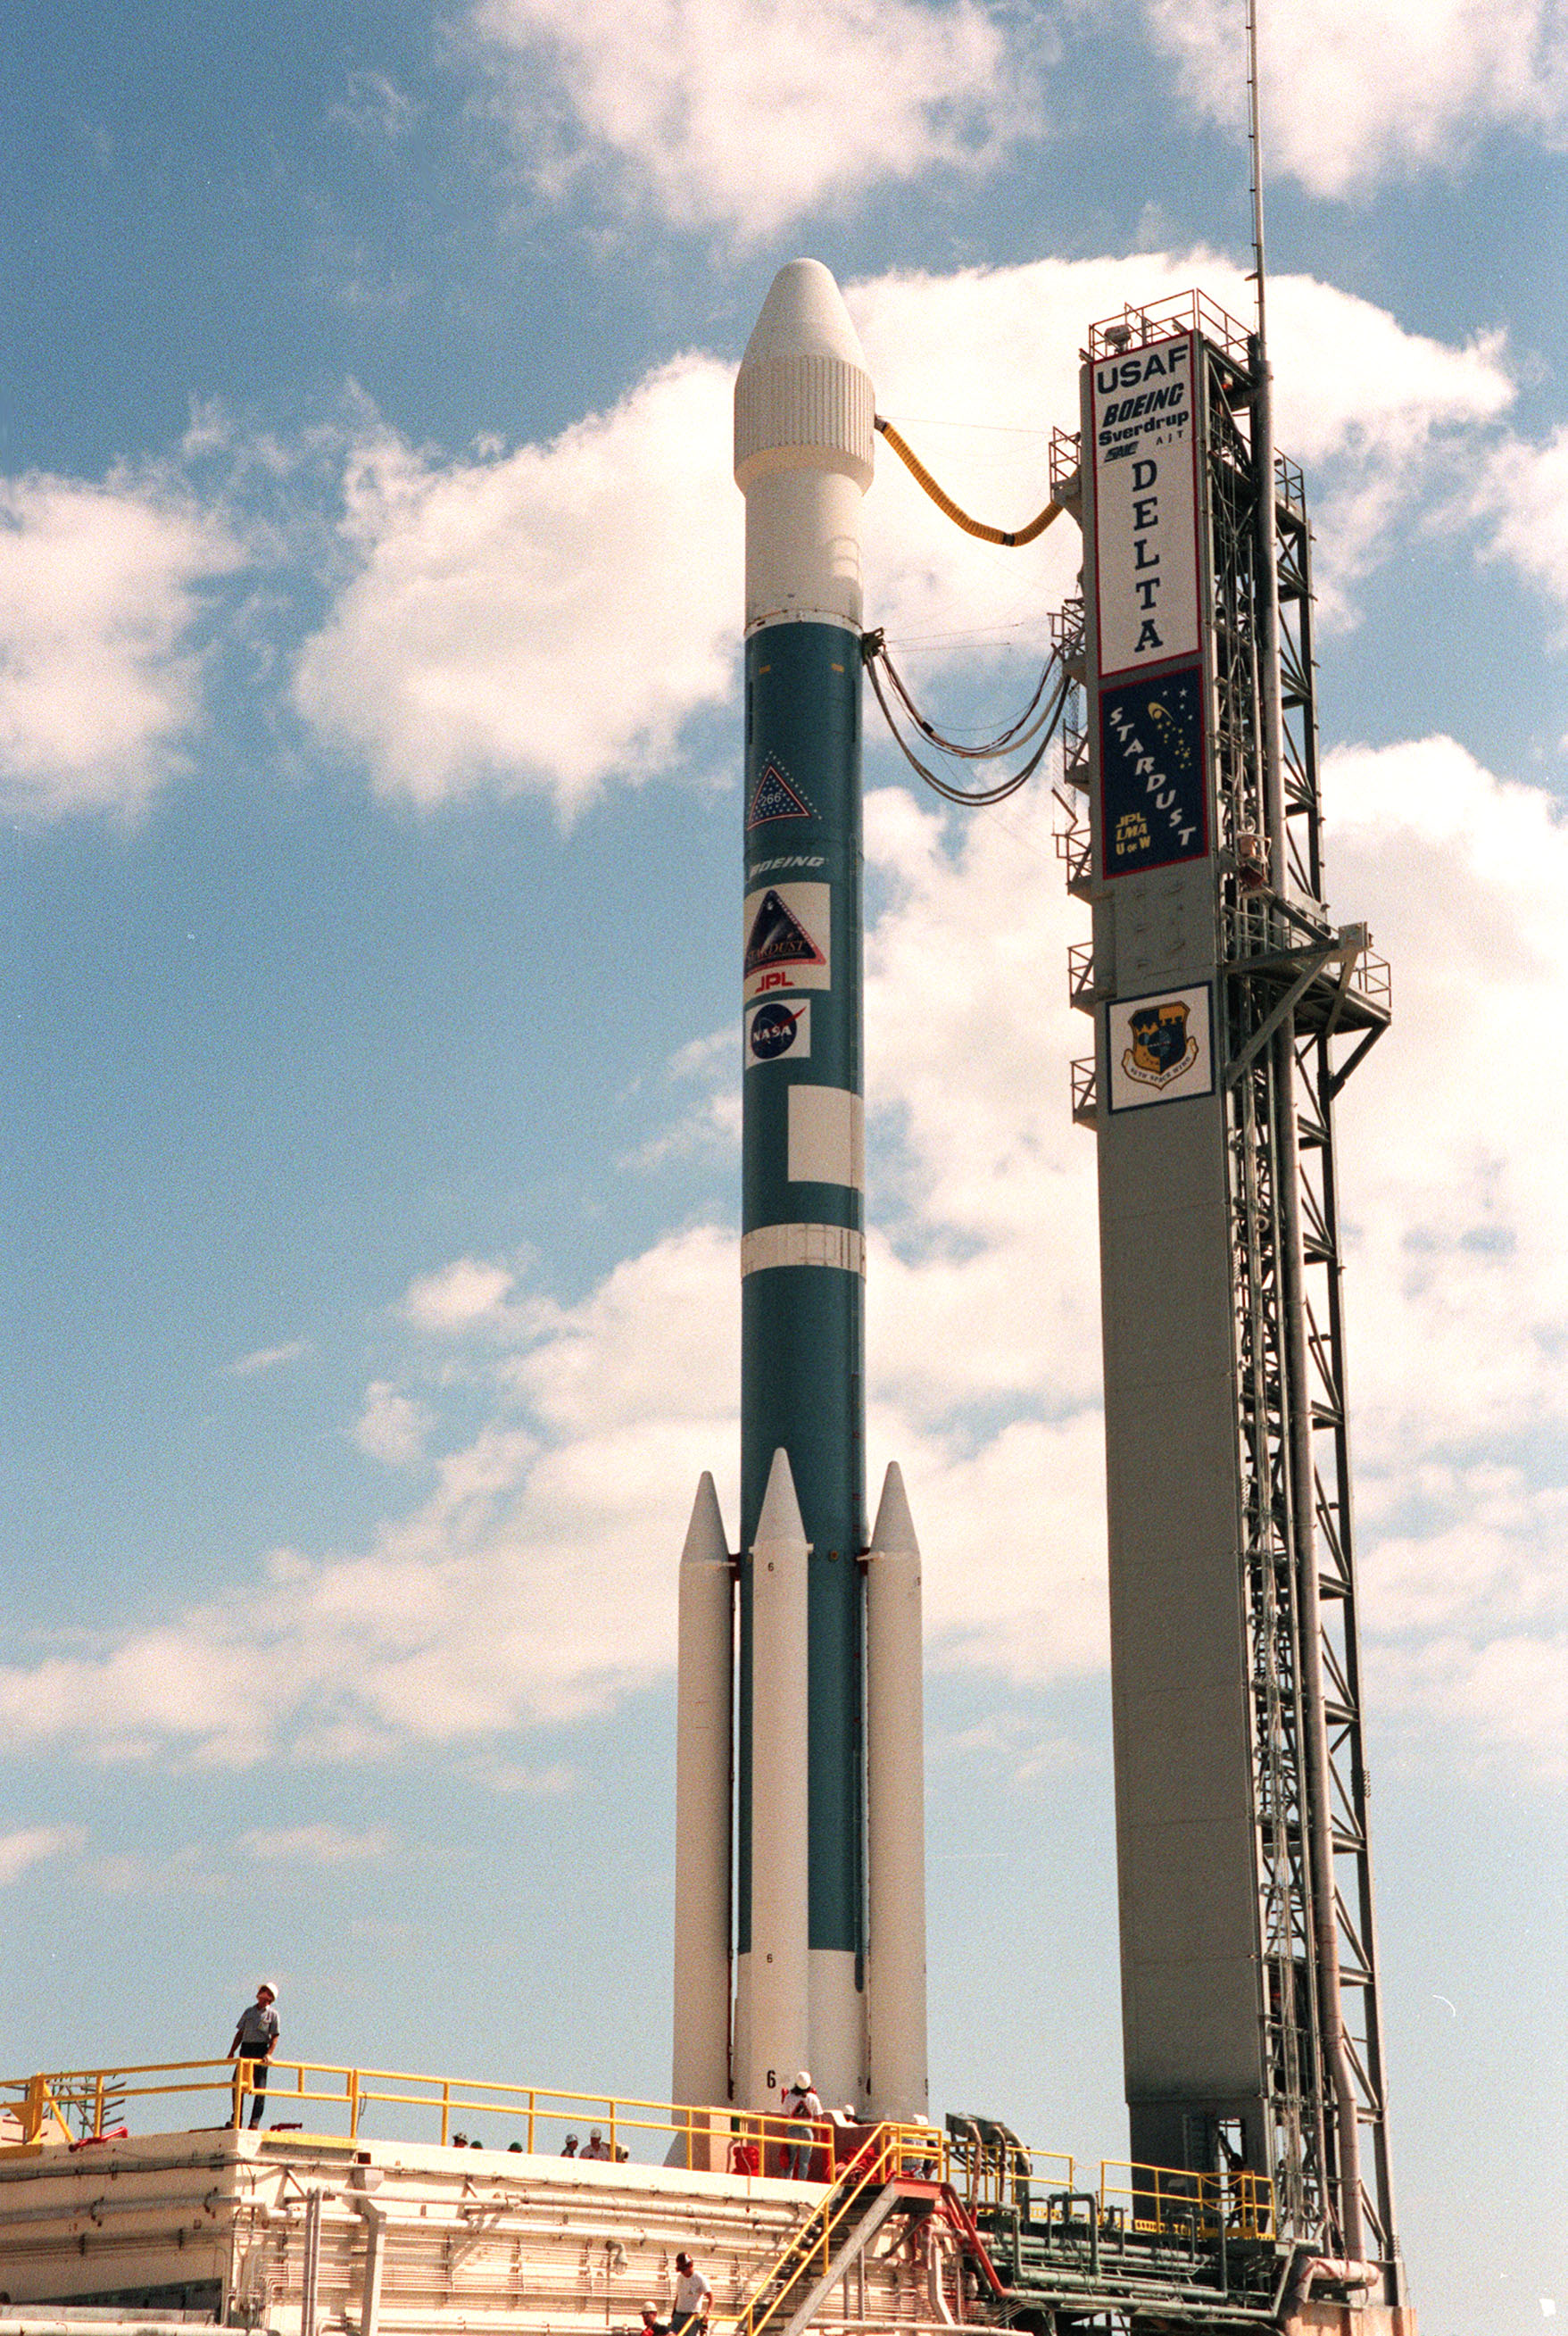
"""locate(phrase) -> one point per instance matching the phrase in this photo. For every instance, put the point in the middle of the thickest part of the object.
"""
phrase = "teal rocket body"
(802, 1221)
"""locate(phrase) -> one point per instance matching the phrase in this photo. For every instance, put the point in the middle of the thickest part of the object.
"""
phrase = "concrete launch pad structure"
(1228, 1011)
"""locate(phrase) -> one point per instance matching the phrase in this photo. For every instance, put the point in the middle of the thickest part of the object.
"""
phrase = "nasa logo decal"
(776, 1029)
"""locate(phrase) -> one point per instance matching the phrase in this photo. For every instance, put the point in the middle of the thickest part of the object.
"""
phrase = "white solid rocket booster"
(896, 1767)
(773, 1999)
(705, 1673)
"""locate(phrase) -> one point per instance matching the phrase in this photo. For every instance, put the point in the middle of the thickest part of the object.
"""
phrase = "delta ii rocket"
(806, 1883)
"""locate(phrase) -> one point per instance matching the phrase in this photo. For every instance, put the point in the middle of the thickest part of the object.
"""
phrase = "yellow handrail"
(1150, 2197)
(1163, 2198)
(893, 2149)
(993, 2177)
(545, 2114)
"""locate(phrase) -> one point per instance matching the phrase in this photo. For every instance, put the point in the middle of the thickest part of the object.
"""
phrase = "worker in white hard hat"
(801, 2102)
(597, 2144)
(692, 2299)
(256, 2041)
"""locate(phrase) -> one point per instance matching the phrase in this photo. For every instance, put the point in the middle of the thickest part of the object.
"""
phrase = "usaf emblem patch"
(1161, 1048)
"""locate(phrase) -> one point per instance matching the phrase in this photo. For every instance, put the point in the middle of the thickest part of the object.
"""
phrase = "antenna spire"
(1255, 139)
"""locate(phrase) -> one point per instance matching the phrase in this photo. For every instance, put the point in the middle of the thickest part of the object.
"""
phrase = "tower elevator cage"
(1230, 1010)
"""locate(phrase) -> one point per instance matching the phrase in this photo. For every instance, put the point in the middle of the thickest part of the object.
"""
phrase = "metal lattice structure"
(1301, 996)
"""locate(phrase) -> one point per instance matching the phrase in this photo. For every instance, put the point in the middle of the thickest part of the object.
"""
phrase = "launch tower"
(1229, 1012)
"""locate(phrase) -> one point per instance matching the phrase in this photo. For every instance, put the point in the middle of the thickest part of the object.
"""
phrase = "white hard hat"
(267, 1983)
(804, 2081)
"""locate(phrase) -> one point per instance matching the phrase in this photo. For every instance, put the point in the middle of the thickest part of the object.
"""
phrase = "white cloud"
(1522, 493)
(469, 1294)
(1372, 410)
(1360, 92)
(550, 619)
(268, 1358)
(102, 589)
(744, 114)
(534, 1585)
(1457, 1250)
(1460, 1243)
(372, 106)
(32, 1845)
(315, 1844)
(543, 619)
(392, 1426)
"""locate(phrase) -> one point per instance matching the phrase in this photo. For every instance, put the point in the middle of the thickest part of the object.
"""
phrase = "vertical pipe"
(778, 1993)
(703, 1809)
(895, 1792)
(310, 2277)
(374, 2265)
(803, 439)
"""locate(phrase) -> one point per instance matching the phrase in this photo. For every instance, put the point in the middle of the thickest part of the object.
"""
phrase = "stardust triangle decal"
(773, 798)
(778, 937)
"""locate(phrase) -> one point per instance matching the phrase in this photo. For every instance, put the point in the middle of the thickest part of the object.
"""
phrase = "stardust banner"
(1153, 796)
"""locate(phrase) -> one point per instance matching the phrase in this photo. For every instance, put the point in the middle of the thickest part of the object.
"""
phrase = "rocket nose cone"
(704, 1540)
(781, 1510)
(894, 1531)
(804, 401)
(804, 315)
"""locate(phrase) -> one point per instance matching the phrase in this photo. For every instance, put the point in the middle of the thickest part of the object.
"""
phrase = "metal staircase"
(884, 2178)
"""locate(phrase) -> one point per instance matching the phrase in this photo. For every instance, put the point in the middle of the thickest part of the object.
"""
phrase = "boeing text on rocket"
(800, 1889)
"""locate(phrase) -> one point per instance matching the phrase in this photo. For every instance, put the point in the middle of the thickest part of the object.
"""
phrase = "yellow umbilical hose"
(945, 503)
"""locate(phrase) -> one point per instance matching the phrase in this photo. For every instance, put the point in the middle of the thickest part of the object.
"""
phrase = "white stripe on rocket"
(839, 1246)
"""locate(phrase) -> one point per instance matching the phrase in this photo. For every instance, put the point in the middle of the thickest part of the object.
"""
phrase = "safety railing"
(1074, 849)
(1179, 312)
(1084, 986)
(1014, 2175)
(809, 2252)
(1161, 2200)
(70, 2106)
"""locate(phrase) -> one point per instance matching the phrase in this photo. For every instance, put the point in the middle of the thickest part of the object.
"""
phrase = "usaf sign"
(1145, 506)
(1159, 1049)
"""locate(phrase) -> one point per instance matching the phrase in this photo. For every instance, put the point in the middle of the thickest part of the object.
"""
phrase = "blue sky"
(369, 596)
